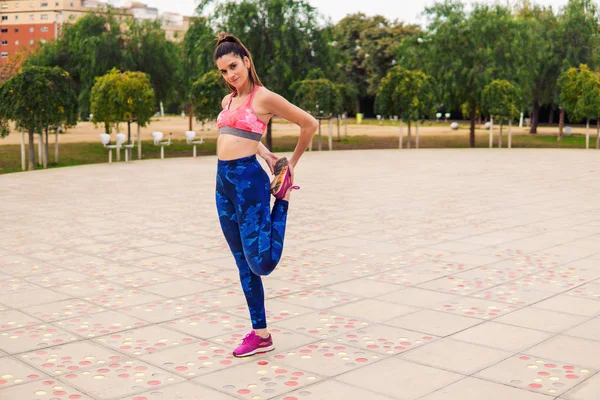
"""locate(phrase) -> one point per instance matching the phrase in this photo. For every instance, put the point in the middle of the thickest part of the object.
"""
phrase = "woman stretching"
(254, 232)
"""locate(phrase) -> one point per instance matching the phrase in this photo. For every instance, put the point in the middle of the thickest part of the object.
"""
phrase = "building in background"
(26, 23)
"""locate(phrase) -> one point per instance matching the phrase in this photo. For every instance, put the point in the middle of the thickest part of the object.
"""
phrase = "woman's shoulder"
(264, 95)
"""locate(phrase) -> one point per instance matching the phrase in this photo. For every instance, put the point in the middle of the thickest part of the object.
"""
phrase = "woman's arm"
(279, 106)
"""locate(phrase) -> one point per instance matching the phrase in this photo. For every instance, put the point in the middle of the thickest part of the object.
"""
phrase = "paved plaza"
(416, 274)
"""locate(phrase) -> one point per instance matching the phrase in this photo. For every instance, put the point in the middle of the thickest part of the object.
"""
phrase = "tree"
(408, 94)
(11, 67)
(580, 96)
(205, 93)
(539, 31)
(148, 50)
(197, 59)
(284, 37)
(123, 97)
(320, 97)
(37, 98)
(579, 36)
(500, 99)
(464, 52)
(368, 49)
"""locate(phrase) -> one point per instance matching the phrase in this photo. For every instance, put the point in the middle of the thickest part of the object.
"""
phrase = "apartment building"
(26, 23)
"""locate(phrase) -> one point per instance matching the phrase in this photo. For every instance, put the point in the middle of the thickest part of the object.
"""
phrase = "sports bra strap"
(230, 100)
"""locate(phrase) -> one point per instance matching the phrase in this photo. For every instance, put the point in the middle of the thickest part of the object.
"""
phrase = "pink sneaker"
(282, 181)
(254, 344)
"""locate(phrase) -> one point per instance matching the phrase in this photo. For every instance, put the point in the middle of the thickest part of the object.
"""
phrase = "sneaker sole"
(280, 171)
(257, 351)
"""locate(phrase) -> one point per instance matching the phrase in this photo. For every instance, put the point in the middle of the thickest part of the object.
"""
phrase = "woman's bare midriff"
(231, 147)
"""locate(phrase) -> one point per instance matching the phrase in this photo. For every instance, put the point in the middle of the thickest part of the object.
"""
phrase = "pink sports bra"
(242, 121)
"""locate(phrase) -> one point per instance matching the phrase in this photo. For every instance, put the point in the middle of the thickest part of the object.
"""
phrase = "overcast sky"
(404, 10)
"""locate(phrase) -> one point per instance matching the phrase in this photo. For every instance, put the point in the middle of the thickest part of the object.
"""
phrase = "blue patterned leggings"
(254, 232)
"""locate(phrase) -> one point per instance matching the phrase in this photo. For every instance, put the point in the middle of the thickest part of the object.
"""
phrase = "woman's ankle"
(263, 333)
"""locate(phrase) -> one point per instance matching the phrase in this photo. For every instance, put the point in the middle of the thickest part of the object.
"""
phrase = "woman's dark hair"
(229, 44)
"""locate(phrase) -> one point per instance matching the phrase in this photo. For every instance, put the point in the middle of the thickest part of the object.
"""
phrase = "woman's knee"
(261, 266)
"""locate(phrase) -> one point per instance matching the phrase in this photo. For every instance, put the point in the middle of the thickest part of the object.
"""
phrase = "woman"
(254, 232)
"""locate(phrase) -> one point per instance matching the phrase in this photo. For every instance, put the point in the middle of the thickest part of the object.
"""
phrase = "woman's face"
(234, 69)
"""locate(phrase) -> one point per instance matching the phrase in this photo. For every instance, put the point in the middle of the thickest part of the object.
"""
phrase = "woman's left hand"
(271, 159)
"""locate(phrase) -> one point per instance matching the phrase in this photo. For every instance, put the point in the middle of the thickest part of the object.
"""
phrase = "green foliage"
(320, 97)
(37, 98)
(408, 94)
(197, 58)
(579, 34)
(206, 93)
(122, 97)
(500, 98)
(348, 95)
(580, 92)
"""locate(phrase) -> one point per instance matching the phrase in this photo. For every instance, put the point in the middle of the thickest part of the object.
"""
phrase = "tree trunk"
(23, 157)
(42, 149)
(598, 133)
(107, 128)
(409, 136)
(139, 140)
(509, 134)
(330, 130)
(46, 150)
(416, 134)
(269, 135)
(401, 134)
(535, 116)
(472, 129)
(551, 116)
(320, 141)
(128, 132)
(338, 128)
(357, 104)
(561, 124)
(40, 146)
(191, 116)
(56, 146)
(500, 137)
(587, 133)
(491, 131)
(31, 151)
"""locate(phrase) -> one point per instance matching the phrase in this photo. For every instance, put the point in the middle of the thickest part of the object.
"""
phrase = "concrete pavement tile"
(62, 310)
(147, 340)
(275, 287)
(217, 299)
(116, 299)
(434, 322)
(41, 389)
(569, 350)
(364, 287)
(120, 378)
(163, 310)
(208, 325)
(59, 277)
(177, 288)
(513, 294)
(332, 390)
(475, 308)
(473, 388)
(144, 278)
(539, 375)
(18, 340)
(16, 285)
(88, 287)
(276, 310)
(417, 297)
(323, 324)
(571, 305)
(157, 262)
(456, 356)
(587, 390)
(384, 339)
(99, 324)
(315, 278)
(373, 310)
(28, 268)
(13, 319)
(14, 372)
(407, 276)
(543, 320)
(587, 330)
(399, 379)
(167, 248)
(72, 357)
(501, 336)
(588, 291)
(325, 358)
(258, 378)
(320, 299)
(180, 391)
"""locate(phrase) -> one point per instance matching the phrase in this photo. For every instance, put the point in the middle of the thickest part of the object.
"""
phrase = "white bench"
(121, 139)
(105, 139)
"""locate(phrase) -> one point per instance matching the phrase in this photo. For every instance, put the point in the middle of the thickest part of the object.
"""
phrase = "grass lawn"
(93, 153)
